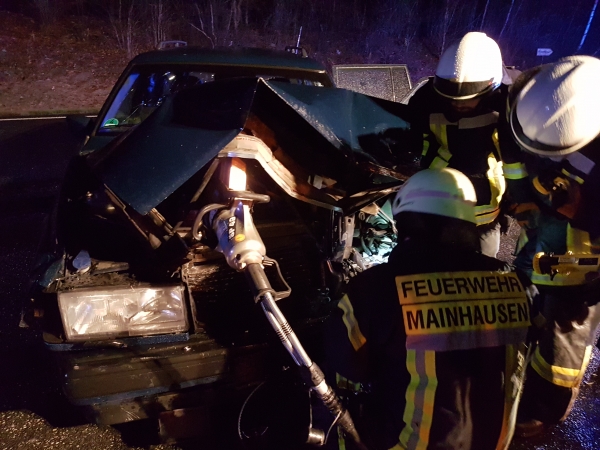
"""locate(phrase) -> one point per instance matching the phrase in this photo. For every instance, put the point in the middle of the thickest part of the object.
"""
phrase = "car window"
(306, 82)
(146, 87)
(292, 80)
(142, 93)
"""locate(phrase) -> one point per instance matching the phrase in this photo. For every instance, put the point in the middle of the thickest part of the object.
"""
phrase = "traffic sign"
(544, 51)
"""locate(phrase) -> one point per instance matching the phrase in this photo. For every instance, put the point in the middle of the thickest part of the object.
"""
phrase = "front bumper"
(118, 385)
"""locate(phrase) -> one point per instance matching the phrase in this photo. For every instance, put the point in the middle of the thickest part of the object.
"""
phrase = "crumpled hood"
(148, 164)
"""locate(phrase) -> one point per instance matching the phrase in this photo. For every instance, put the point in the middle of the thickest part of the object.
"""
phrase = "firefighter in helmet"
(554, 126)
(454, 117)
(437, 333)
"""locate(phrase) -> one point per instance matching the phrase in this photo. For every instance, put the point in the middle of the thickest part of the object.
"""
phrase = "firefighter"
(554, 122)
(454, 117)
(437, 333)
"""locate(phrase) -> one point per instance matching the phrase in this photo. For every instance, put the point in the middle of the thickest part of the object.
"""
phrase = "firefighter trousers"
(561, 352)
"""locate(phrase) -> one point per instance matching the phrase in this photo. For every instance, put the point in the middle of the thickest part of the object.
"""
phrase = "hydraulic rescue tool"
(244, 250)
(581, 266)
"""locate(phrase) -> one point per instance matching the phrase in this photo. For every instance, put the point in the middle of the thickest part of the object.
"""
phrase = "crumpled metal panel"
(149, 163)
(385, 81)
(187, 131)
(342, 116)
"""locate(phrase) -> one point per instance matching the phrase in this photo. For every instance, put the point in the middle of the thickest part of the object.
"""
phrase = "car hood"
(146, 165)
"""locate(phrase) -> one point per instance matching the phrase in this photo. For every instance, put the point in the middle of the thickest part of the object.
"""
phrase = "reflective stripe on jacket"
(443, 347)
(484, 212)
(468, 144)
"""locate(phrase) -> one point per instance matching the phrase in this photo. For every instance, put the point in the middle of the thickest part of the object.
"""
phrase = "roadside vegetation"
(63, 55)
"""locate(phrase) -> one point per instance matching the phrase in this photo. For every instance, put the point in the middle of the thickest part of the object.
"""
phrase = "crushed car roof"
(323, 127)
(253, 57)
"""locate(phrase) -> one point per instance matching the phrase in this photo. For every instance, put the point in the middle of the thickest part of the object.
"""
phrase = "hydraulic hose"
(311, 372)
(242, 246)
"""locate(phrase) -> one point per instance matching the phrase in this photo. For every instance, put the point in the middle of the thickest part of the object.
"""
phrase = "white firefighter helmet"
(556, 111)
(446, 192)
(469, 68)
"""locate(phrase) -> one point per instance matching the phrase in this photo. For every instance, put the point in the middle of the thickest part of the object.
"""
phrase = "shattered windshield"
(145, 89)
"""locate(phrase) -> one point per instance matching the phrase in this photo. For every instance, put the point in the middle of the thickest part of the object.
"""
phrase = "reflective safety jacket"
(468, 144)
(557, 203)
(560, 220)
(439, 333)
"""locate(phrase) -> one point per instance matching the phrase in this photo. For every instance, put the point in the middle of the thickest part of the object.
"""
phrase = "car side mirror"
(80, 125)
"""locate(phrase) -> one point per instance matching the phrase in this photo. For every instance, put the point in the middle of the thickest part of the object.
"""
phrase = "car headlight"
(112, 312)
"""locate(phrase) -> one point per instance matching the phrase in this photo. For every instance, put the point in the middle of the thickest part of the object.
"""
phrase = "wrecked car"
(196, 216)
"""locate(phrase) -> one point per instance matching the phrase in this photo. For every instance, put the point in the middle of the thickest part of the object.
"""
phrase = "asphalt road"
(33, 412)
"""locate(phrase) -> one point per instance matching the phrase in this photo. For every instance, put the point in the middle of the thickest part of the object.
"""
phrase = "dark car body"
(124, 225)
(224, 63)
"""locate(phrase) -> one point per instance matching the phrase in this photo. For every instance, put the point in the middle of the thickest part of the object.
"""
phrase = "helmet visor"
(462, 91)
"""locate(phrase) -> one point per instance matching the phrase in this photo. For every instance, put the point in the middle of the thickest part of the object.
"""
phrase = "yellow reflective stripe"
(429, 399)
(444, 153)
(425, 144)
(485, 209)
(440, 133)
(572, 176)
(573, 279)
(486, 218)
(344, 383)
(560, 376)
(488, 213)
(513, 388)
(538, 187)
(438, 163)
(398, 446)
(484, 214)
(409, 407)
(496, 177)
(354, 334)
(341, 440)
(508, 371)
(514, 171)
(496, 141)
(443, 137)
(435, 130)
(420, 391)
(578, 241)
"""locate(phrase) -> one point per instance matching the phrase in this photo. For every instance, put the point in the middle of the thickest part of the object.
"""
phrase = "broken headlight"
(112, 312)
